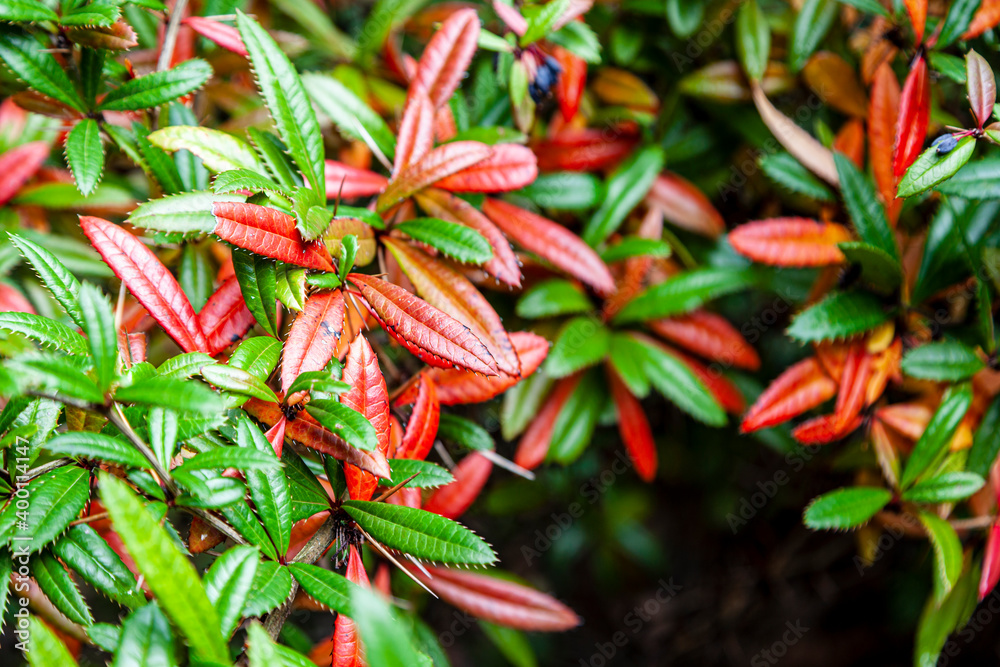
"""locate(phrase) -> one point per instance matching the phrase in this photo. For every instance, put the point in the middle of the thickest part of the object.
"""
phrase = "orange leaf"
(619, 87)
(882, 114)
(510, 167)
(452, 500)
(369, 397)
(573, 79)
(440, 163)
(447, 56)
(800, 388)
(535, 442)
(434, 337)
(18, 165)
(149, 281)
(917, 9)
(684, 205)
(914, 114)
(416, 132)
(824, 429)
(790, 241)
(710, 336)
(268, 232)
(553, 243)
(421, 429)
(986, 17)
(350, 182)
(835, 82)
(225, 317)
(313, 336)
(633, 428)
(850, 141)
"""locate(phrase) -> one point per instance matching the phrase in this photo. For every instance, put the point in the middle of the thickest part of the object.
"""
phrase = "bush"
(228, 357)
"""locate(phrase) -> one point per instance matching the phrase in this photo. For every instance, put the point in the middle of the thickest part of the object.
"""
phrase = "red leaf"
(634, 428)
(423, 425)
(276, 436)
(498, 601)
(914, 114)
(434, 337)
(883, 111)
(452, 500)
(440, 204)
(684, 205)
(306, 430)
(416, 131)
(854, 382)
(313, 337)
(347, 649)
(445, 128)
(149, 281)
(268, 232)
(222, 34)
(850, 141)
(572, 80)
(824, 429)
(986, 17)
(790, 241)
(225, 318)
(801, 387)
(135, 343)
(453, 294)
(447, 56)
(350, 182)
(18, 165)
(441, 162)
(909, 419)
(917, 9)
(708, 335)
(368, 396)
(510, 167)
(511, 17)
(535, 442)
(553, 243)
(982, 86)
(12, 301)
(457, 387)
(585, 150)
(991, 561)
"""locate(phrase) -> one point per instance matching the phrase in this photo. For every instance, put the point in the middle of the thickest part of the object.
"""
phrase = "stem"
(170, 38)
(117, 417)
(975, 523)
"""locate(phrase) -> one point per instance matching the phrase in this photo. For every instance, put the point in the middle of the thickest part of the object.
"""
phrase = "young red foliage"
(914, 114)
(991, 562)
(347, 649)
(12, 301)
(446, 57)
(225, 317)
(790, 241)
(634, 428)
(18, 165)
(421, 429)
(801, 387)
(268, 232)
(149, 281)
(535, 442)
(883, 111)
(510, 167)
(276, 436)
(416, 132)
(313, 336)
(350, 182)
(685, 205)
(585, 150)
(452, 500)
(553, 243)
(498, 601)
(434, 337)
(440, 163)
(222, 34)
(908, 419)
(440, 204)
(710, 336)
(571, 83)
(368, 396)
(825, 429)
(982, 87)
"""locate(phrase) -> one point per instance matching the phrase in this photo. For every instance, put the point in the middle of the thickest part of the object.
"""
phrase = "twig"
(170, 38)
(975, 523)
(117, 417)
(89, 519)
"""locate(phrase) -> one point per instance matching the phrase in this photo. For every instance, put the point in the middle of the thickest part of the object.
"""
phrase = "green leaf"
(54, 275)
(85, 155)
(158, 88)
(15, 11)
(99, 325)
(581, 343)
(944, 361)
(45, 331)
(839, 315)
(351, 115)
(97, 446)
(846, 508)
(95, 13)
(683, 293)
(187, 213)
(59, 588)
(947, 554)
(238, 381)
(228, 583)
(931, 167)
(541, 22)
(933, 443)
(58, 375)
(241, 458)
(464, 432)
(381, 630)
(420, 533)
(168, 573)
(258, 355)
(811, 25)
(54, 500)
(685, 16)
(287, 101)
(345, 422)
(271, 586)
(46, 648)
(185, 365)
(986, 442)
(626, 355)
(146, 639)
(324, 35)
(947, 487)
(89, 555)
(328, 587)
(580, 39)
(256, 276)
(39, 69)
(263, 652)
(956, 22)
(454, 240)
(269, 488)
(220, 151)
(868, 6)
(634, 246)
(245, 179)
(976, 180)
(753, 39)
(196, 276)
(574, 426)
(788, 172)
(678, 384)
(348, 253)
(428, 475)
(317, 381)
(878, 268)
(864, 206)
(290, 286)
(626, 187)
(553, 297)
(172, 394)
(565, 191)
